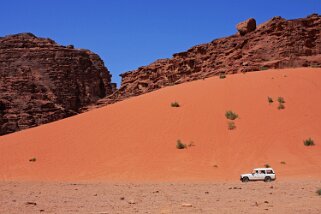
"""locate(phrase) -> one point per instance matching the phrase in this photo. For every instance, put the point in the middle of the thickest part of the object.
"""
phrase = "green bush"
(175, 104)
(263, 68)
(281, 100)
(270, 100)
(308, 142)
(281, 106)
(222, 76)
(180, 145)
(231, 115)
(231, 125)
(32, 160)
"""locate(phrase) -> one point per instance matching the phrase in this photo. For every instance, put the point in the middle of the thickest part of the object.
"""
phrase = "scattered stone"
(132, 202)
(122, 198)
(266, 202)
(31, 203)
(186, 205)
(206, 192)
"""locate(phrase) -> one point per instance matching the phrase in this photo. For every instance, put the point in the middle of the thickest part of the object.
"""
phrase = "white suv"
(259, 174)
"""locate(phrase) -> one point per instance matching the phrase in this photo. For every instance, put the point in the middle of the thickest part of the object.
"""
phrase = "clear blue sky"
(131, 33)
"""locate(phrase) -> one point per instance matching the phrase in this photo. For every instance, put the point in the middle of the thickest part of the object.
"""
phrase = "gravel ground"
(231, 197)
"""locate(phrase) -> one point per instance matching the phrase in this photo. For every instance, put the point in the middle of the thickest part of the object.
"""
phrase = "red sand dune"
(134, 140)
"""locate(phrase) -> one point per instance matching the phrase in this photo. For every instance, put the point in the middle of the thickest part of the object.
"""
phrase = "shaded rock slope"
(277, 43)
(41, 81)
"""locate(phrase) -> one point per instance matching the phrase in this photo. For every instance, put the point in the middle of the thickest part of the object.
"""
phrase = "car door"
(261, 175)
(255, 175)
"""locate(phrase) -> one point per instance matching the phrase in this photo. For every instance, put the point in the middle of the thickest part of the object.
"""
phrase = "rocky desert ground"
(280, 197)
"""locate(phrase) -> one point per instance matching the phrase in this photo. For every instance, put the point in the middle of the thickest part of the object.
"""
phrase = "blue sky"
(131, 33)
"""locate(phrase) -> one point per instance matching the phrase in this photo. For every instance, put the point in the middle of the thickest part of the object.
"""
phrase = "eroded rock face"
(246, 27)
(41, 81)
(278, 43)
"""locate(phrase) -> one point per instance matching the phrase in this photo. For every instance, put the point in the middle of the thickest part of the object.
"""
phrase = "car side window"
(269, 172)
(262, 172)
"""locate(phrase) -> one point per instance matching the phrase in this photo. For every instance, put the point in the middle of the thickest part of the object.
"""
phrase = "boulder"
(246, 27)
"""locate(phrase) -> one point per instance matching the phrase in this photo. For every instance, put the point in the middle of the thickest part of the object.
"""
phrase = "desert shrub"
(267, 165)
(231, 125)
(281, 100)
(222, 76)
(180, 145)
(318, 191)
(282, 162)
(270, 100)
(215, 166)
(281, 106)
(263, 68)
(231, 115)
(175, 104)
(308, 142)
(32, 160)
(315, 66)
(191, 144)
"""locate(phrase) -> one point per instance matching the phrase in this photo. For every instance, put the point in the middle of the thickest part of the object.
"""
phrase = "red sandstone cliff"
(278, 43)
(41, 81)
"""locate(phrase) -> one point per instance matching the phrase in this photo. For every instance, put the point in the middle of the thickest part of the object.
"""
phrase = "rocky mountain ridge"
(277, 43)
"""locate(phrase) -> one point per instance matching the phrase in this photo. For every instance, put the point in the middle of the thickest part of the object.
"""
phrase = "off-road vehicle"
(259, 174)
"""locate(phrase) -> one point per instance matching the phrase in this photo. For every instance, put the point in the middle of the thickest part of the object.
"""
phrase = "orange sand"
(135, 140)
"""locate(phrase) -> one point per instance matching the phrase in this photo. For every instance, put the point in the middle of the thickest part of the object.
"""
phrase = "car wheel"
(245, 179)
(267, 179)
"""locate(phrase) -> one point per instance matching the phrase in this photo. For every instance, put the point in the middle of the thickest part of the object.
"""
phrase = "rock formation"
(41, 81)
(278, 43)
(246, 26)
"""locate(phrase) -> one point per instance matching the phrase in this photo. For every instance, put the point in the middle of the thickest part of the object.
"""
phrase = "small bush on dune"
(222, 76)
(231, 125)
(281, 106)
(175, 104)
(282, 162)
(308, 142)
(263, 68)
(180, 145)
(32, 160)
(191, 144)
(281, 100)
(270, 100)
(231, 115)
(318, 191)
